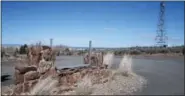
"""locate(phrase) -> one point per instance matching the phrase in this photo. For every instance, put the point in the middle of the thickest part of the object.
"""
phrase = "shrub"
(23, 49)
(135, 52)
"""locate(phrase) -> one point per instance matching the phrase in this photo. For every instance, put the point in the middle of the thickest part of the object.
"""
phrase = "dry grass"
(84, 87)
(44, 87)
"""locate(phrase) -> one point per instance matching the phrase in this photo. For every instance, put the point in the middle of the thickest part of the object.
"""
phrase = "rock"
(65, 73)
(83, 73)
(32, 83)
(18, 89)
(66, 80)
(47, 55)
(36, 59)
(66, 89)
(6, 90)
(43, 76)
(76, 70)
(53, 72)
(86, 61)
(23, 69)
(44, 66)
(28, 85)
(19, 78)
(63, 81)
(70, 80)
(76, 77)
(96, 59)
(65, 69)
(69, 71)
(105, 81)
(31, 75)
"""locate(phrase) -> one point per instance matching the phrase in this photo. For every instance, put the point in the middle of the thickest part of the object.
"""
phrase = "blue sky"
(107, 24)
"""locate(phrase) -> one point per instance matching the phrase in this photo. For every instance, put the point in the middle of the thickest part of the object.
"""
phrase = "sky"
(106, 24)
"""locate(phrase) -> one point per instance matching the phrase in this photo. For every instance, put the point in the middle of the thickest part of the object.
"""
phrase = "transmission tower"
(161, 37)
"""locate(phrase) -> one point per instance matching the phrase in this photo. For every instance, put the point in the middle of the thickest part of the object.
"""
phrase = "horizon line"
(58, 45)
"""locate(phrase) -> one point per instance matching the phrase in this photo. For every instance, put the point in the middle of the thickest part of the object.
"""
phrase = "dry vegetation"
(175, 50)
(138, 50)
(32, 78)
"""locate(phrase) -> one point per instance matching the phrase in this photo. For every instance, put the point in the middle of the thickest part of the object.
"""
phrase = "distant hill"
(11, 45)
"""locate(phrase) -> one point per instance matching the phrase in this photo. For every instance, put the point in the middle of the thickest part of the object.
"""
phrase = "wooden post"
(90, 51)
(51, 42)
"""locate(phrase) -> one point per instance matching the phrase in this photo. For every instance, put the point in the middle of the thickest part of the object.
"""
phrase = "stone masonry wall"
(40, 65)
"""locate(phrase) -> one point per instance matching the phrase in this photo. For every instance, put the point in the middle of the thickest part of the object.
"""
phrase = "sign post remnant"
(90, 45)
(51, 42)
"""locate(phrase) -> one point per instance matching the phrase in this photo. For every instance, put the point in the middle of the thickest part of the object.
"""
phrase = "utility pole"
(90, 45)
(51, 42)
(39, 43)
(161, 37)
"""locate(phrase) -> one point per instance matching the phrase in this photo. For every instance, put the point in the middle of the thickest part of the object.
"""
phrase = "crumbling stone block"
(31, 75)
(28, 85)
(32, 83)
(18, 89)
(44, 66)
(19, 78)
(96, 59)
(23, 68)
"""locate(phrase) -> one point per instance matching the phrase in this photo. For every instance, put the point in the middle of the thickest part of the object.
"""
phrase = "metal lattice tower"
(161, 38)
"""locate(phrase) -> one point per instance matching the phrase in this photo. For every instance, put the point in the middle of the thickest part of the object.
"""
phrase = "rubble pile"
(39, 66)
(77, 73)
(31, 73)
(95, 60)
